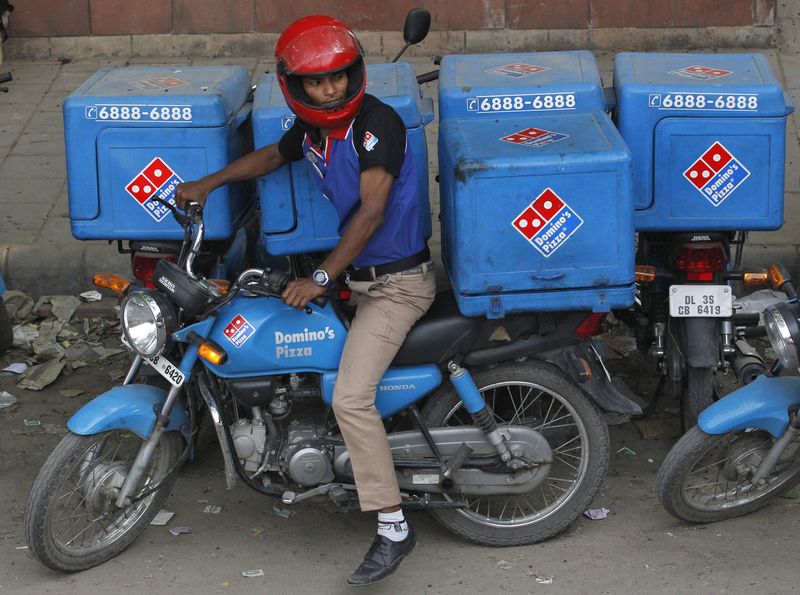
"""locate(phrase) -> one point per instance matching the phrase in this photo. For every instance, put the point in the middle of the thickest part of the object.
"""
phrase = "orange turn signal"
(222, 285)
(776, 276)
(755, 278)
(115, 283)
(213, 353)
(645, 273)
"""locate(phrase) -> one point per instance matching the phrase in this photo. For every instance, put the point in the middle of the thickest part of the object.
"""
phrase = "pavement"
(38, 254)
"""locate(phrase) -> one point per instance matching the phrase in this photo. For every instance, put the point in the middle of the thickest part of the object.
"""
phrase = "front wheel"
(540, 396)
(698, 394)
(706, 478)
(71, 520)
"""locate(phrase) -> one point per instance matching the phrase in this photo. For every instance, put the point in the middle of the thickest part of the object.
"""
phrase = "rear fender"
(131, 407)
(762, 404)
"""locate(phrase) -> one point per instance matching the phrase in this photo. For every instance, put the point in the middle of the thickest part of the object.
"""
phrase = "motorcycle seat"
(439, 335)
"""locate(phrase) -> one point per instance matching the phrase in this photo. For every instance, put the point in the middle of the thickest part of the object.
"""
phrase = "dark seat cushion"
(438, 335)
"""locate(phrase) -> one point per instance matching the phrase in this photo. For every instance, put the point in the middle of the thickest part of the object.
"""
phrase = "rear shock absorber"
(478, 409)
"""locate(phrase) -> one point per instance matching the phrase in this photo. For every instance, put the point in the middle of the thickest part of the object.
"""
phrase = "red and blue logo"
(716, 174)
(703, 73)
(156, 180)
(534, 137)
(517, 70)
(547, 223)
(239, 330)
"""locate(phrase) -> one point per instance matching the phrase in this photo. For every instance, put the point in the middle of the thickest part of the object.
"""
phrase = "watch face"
(320, 277)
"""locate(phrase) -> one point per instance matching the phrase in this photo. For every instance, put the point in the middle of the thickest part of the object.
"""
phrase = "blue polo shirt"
(377, 136)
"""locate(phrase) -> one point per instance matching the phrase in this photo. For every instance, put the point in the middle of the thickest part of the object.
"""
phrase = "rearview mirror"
(418, 23)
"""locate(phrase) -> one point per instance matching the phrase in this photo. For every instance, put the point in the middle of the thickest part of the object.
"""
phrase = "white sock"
(392, 525)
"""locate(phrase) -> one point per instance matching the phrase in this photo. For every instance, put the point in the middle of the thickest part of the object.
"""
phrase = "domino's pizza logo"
(517, 70)
(239, 330)
(547, 223)
(534, 137)
(703, 73)
(156, 180)
(370, 140)
(716, 174)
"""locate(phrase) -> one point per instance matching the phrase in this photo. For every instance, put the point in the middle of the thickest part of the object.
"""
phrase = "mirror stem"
(397, 57)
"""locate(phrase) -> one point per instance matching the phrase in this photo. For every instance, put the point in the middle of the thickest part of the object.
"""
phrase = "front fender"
(762, 404)
(131, 407)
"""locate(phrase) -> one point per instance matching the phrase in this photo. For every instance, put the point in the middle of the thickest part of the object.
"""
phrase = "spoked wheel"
(541, 397)
(707, 478)
(71, 520)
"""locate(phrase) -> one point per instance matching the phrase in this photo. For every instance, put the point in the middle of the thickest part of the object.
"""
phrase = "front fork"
(145, 454)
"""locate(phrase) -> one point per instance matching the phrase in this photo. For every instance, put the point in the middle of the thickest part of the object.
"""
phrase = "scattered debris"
(18, 304)
(16, 368)
(162, 518)
(284, 513)
(91, 296)
(253, 573)
(544, 580)
(668, 533)
(792, 494)
(70, 392)
(45, 345)
(213, 509)
(597, 514)
(32, 423)
(505, 565)
(62, 306)
(650, 461)
(22, 547)
(24, 336)
(256, 531)
(180, 530)
(659, 429)
(7, 400)
(619, 346)
(627, 451)
(41, 375)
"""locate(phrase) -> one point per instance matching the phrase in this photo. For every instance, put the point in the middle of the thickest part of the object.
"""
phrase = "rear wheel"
(540, 396)
(71, 520)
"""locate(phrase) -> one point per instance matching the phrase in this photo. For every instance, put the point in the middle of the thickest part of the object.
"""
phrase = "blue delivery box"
(295, 216)
(536, 201)
(708, 134)
(499, 85)
(133, 134)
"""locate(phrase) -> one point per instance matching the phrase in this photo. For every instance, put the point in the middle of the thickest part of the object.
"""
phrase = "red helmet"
(315, 46)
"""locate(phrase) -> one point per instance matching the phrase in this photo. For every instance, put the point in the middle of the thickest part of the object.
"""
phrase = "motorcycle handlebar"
(428, 77)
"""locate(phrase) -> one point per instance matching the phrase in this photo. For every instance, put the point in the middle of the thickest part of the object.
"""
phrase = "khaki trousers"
(386, 310)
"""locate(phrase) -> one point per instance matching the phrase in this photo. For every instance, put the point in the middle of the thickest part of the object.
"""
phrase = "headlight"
(783, 333)
(147, 321)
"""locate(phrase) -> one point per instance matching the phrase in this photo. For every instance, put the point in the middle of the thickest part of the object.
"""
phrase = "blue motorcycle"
(743, 452)
(509, 452)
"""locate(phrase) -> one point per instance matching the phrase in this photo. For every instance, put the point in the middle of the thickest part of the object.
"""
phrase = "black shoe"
(383, 558)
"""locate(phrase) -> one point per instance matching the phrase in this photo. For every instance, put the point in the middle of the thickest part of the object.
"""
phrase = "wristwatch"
(320, 277)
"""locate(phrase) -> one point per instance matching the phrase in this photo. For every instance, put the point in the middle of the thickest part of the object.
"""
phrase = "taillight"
(592, 325)
(144, 266)
(700, 261)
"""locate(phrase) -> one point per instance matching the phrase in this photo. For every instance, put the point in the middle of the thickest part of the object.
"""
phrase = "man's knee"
(347, 402)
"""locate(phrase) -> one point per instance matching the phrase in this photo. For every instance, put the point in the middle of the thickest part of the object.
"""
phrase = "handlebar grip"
(428, 77)
(6, 77)
(321, 301)
(194, 211)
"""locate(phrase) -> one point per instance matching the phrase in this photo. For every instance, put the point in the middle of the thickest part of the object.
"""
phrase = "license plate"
(694, 301)
(162, 365)
(167, 369)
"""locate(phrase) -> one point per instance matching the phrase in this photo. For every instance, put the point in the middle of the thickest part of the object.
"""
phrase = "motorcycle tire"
(698, 393)
(88, 496)
(693, 455)
(6, 332)
(553, 396)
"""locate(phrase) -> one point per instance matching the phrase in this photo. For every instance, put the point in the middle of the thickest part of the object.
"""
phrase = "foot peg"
(333, 489)
(457, 460)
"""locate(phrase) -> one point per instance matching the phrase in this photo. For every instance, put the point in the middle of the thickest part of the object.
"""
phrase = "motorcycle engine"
(250, 441)
(308, 459)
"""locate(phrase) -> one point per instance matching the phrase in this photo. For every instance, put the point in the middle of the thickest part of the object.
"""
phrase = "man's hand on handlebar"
(192, 192)
(301, 291)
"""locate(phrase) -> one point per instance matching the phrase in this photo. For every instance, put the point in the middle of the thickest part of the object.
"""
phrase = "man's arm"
(376, 182)
(252, 165)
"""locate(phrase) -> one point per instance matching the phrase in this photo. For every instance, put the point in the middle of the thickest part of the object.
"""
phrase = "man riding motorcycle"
(356, 145)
